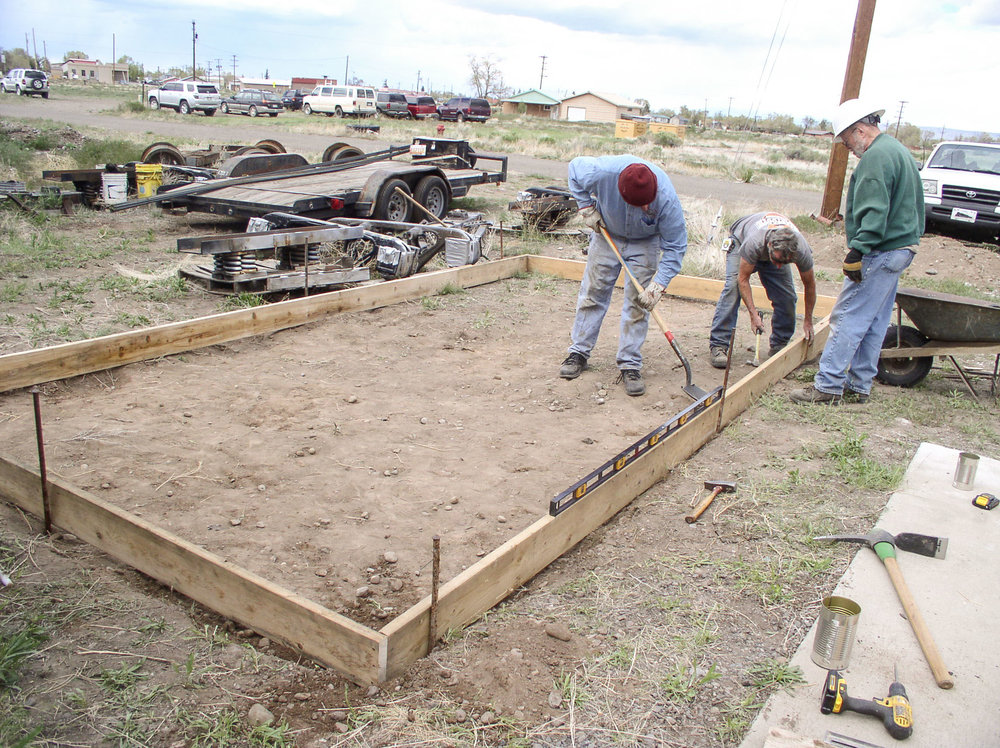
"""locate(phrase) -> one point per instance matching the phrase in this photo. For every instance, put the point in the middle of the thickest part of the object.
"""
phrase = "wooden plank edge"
(350, 648)
(25, 368)
(682, 286)
(494, 577)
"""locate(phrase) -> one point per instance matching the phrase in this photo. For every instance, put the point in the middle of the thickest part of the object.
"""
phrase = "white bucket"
(114, 187)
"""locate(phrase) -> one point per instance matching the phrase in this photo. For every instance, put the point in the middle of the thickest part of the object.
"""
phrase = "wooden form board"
(356, 651)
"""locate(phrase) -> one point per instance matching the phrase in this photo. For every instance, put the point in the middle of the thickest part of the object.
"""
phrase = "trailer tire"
(903, 372)
(390, 205)
(307, 109)
(163, 153)
(432, 193)
(341, 152)
(271, 146)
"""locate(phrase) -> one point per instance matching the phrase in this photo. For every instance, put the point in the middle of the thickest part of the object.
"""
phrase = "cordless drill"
(894, 710)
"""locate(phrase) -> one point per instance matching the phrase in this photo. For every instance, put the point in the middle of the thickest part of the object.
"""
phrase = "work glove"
(591, 217)
(852, 265)
(652, 294)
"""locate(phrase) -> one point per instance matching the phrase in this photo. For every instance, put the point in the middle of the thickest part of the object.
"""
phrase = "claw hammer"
(716, 487)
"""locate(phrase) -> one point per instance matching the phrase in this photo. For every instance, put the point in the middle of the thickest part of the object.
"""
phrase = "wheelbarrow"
(944, 325)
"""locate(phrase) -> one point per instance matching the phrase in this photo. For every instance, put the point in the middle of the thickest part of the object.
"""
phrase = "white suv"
(962, 185)
(186, 97)
(341, 100)
(24, 81)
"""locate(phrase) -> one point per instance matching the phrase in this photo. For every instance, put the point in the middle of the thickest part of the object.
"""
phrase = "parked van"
(342, 101)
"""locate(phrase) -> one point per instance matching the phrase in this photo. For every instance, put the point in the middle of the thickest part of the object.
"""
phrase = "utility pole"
(45, 51)
(27, 50)
(541, 78)
(194, 40)
(900, 117)
(729, 111)
(837, 169)
(35, 46)
(234, 69)
(346, 63)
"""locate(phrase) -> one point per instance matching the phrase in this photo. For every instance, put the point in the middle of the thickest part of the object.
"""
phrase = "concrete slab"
(959, 598)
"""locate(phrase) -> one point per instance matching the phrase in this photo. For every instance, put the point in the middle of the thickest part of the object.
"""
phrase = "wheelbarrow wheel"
(903, 372)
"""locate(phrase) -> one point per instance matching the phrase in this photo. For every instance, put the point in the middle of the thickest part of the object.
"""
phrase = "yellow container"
(147, 178)
(629, 128)
(677, 130)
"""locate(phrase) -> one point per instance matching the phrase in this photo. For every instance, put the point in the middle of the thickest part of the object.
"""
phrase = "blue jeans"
(780, 291)
(642, 257)
(858, 323)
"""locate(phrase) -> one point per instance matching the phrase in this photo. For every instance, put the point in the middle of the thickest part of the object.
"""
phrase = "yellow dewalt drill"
(894, 710)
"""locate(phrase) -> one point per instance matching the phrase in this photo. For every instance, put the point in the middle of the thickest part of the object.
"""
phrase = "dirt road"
(97, 113)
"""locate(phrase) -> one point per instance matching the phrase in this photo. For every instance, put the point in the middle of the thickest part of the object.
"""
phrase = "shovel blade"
(925, 545)
(694, 392)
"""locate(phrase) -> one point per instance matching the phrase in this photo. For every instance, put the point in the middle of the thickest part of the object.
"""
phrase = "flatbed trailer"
(375, 185)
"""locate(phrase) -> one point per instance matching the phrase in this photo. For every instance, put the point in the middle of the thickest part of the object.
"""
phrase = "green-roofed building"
(534, 102)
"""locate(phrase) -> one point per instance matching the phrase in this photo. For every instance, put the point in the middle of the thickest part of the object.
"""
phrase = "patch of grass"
(854, 467)
(484, 321)
(15, 155)
(94, 152)
(431, 303)
(122, 678)
(450, 289)
(242, 300)
(682, 683)
(12, 292)
(132, 107)
(16, 646)
(947, 285)
(775, 673)
(572, 692)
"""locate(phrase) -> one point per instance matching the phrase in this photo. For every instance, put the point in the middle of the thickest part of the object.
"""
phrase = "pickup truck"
(962, 185)
(186, 97)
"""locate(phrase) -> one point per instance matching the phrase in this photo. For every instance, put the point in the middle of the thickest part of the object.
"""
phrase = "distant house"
(593, 106)
(263, 84)
(94, 70)
(308, 84)
(536, 104)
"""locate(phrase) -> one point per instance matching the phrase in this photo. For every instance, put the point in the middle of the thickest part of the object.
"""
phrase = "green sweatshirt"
(885, 200)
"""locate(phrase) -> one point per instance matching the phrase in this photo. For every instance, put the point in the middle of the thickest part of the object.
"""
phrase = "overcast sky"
(784, 56)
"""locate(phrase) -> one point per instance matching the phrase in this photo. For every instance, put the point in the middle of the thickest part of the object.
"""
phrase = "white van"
(342, 101)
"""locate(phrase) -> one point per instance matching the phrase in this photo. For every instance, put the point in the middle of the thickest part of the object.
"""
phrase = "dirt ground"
(309, 455)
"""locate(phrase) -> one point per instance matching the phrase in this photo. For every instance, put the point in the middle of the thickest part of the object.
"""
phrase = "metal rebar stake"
(435, 581)
(46, 512)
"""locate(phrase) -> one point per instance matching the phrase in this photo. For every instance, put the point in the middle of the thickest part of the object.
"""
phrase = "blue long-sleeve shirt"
(595, 180)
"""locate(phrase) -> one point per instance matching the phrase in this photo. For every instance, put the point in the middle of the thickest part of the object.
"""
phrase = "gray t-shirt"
(750, 233)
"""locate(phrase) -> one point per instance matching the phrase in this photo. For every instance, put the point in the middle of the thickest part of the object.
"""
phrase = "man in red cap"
(640, 210)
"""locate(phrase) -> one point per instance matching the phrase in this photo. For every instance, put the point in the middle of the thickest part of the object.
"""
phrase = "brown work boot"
(719, 357)
(632, 379)
(814, 396)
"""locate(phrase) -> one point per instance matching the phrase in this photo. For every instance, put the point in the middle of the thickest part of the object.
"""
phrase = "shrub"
(133, 107)
(667, 139)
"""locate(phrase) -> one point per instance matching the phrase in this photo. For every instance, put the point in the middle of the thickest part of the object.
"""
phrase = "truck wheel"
(153, 103)
(460, 117)
(903, 372)
(253, 111)
(307, 109)
(224, 108)
(184, 108)
(391, 206)
(432, 193)
(339, 112)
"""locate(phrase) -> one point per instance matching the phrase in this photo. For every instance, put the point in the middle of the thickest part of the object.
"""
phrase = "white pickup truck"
(962, 185)
(186, 97)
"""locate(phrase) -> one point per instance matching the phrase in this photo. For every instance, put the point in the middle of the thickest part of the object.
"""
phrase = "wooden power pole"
(837, 170)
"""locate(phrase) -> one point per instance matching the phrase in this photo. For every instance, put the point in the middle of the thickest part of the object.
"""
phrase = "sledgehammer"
(716, 487)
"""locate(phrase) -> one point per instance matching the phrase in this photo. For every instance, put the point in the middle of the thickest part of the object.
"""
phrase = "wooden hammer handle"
(700, 509)
(940, 672)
